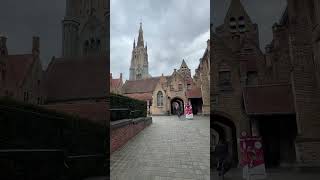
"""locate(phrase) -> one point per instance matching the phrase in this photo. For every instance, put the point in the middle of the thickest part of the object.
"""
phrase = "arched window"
(159, 99)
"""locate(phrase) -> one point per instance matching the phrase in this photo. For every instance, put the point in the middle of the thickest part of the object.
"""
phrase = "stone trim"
(120, 123)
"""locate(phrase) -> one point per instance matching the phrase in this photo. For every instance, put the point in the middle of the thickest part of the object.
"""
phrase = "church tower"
(85, 28)
(139, 68)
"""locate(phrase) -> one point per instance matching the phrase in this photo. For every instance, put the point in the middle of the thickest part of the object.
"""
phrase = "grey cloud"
(170, 27)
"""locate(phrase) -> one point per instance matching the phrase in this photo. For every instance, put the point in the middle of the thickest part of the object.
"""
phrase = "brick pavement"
(168, 149)
(273, 174)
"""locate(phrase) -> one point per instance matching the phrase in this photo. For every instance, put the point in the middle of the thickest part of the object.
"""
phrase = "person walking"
(222, 153)
(177, 109)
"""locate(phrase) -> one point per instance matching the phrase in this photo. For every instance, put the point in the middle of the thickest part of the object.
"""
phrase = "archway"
(178, 101)
(226, 130)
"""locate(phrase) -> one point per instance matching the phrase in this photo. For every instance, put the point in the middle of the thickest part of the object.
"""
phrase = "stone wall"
(308, 152)
(123, 130)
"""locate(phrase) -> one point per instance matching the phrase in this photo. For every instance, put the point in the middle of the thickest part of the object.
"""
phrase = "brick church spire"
(139, 68)
(140, 37)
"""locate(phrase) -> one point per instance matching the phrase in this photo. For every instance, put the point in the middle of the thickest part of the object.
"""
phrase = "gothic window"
(159, 99)
(180, 87)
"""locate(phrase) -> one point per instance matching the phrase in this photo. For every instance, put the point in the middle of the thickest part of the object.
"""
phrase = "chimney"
(120, 76)
(3, 46)
(36, 46)
(110, 75)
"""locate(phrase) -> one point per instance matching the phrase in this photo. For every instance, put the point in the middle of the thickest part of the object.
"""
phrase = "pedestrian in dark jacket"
(222, 153)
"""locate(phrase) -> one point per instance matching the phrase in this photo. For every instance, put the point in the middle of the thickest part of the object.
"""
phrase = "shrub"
(123, 107)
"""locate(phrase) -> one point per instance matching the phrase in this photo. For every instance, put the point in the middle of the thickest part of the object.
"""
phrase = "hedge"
(123, 107)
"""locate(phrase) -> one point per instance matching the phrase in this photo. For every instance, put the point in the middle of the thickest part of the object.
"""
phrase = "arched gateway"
(226, 129)
(180, 103)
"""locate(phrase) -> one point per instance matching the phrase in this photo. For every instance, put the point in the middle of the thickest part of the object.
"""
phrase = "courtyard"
(170, 148)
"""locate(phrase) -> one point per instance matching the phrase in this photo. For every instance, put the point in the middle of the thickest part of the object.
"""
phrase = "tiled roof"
(95, 111)
(194, 93)
(68, 79)
(269, 99)
(17, 67)
(140, 86)
(140, 96)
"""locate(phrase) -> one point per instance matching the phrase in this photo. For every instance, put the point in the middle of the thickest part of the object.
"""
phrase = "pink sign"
(252, 157)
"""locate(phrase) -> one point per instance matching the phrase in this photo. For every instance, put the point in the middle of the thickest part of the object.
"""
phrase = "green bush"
(123, 107)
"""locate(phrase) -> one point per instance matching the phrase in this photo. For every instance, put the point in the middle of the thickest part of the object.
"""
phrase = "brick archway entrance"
(178, 101)
(226, 130)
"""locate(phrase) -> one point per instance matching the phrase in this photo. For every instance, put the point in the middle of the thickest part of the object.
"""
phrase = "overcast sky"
(173, 29)
(262, 12)
(20, 20)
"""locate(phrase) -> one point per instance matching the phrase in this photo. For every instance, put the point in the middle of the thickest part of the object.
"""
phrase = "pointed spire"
(140, 37)
(183, 64)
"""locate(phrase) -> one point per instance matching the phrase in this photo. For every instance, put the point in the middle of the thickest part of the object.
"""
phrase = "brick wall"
(123, 133)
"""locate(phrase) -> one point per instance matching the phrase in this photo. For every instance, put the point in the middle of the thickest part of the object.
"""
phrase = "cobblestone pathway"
(168, 149)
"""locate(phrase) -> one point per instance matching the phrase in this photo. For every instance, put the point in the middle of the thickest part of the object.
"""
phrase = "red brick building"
(274, 94)
(21, 75)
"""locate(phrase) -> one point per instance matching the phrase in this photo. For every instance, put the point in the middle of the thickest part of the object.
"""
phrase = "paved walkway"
(168, 149)
(273, 174)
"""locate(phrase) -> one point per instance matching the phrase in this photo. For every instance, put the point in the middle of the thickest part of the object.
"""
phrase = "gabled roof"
(77, 78)
(140, 86)
(236, 9)
(269, 99)
(17, 67)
